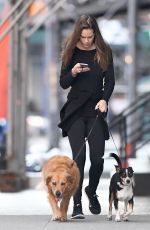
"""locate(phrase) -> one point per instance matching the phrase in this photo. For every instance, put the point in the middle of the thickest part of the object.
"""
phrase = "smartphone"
(83, 65)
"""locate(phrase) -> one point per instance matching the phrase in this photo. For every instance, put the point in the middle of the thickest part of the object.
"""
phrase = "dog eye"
(130, 174)
(123, 175)
(62, 183)
(54, 183)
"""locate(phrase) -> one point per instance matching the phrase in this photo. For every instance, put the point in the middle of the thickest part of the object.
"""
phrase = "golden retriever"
(61, 177)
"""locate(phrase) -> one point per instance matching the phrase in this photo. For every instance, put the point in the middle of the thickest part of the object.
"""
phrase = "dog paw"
(117, 219)
(125, 218)
(109, 217)
(56, 218)
(63, 219)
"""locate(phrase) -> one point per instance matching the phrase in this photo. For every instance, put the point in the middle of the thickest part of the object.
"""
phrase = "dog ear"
(130, 169)
(120, 172)
(70, 179)
(72, 163)
(48, 179)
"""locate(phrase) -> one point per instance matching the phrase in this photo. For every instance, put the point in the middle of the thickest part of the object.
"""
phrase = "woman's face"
(87, 38)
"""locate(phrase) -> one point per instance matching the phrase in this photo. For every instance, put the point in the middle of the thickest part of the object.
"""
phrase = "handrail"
(131, 108)
(133, 128)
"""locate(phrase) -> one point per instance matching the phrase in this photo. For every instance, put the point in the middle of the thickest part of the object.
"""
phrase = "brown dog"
(61, 177)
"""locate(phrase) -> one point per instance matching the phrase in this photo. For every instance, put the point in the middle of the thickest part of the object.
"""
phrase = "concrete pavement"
(35, 202)
(138, 222)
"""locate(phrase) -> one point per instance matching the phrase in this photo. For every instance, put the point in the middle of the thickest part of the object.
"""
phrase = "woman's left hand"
(102, 106)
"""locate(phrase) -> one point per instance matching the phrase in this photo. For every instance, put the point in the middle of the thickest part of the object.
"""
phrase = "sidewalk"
(35, 202)
(30, 209)
(90, 223)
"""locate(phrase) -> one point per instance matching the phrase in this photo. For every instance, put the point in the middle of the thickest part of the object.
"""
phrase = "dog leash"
(113, 141)
(86, 139)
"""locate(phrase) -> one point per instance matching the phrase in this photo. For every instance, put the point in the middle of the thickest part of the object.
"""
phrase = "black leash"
(113, 141)
(86, 139)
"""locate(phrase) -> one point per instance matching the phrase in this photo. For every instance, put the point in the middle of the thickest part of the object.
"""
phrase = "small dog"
(121, 189)
(61, 177)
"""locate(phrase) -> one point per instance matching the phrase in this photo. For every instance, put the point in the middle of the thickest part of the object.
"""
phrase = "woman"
(90, 89)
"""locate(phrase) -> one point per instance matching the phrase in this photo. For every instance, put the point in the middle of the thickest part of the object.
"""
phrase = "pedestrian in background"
(87, 68)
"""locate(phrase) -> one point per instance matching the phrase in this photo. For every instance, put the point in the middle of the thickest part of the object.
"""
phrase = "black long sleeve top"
(86, 89)
(99, 83)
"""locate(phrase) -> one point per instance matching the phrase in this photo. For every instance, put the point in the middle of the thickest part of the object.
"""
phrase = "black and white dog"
(121, 189)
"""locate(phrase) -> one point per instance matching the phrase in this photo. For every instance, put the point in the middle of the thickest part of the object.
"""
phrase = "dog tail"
(117, 159)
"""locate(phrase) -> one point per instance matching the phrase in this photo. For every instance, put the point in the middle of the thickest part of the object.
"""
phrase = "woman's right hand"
(78, 69)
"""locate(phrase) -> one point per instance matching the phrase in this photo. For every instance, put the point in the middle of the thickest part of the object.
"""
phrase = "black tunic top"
(87, 88)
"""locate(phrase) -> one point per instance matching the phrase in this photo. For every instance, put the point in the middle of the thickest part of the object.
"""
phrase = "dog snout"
(128, 181)
(58, 194)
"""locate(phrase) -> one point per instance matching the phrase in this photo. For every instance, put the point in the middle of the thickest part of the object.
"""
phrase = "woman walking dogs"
(87, 68)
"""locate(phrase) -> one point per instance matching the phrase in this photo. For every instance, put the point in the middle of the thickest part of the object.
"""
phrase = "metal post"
(51, 51)
(132, 15)
(13, 76)
(16, 139)
(131, 70)
(23, 103)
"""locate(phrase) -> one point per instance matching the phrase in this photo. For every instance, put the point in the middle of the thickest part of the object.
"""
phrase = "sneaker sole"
(79, 217)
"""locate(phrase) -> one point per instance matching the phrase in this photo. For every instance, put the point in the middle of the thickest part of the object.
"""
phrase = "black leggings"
(77, 133)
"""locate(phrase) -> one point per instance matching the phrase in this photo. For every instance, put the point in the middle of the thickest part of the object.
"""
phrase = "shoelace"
(94, 201)
(95, 195)
(78, 205)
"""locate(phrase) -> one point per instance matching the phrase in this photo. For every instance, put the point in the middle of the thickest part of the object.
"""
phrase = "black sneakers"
(77, 212)
(94, 204)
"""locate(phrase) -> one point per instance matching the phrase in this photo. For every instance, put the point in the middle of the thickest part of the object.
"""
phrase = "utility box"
(142, 184)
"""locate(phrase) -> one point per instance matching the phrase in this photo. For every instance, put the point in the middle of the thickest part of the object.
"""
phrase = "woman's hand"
(102, 106)
(78, 69)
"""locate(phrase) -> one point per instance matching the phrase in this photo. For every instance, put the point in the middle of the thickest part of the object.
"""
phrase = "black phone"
(83, 65)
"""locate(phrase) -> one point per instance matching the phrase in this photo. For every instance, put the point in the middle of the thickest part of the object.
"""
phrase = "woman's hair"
(103, 51)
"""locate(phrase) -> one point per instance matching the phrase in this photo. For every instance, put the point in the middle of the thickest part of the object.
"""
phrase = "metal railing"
(133, 127)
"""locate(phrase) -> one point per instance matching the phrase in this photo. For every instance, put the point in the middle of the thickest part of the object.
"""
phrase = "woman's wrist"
(103, 100)
(73, 73)
(101, 105)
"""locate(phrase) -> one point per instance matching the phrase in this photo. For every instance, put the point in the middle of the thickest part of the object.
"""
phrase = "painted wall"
(4, 59)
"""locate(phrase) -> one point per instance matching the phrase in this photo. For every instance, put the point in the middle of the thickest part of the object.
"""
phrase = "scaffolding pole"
(16, 19)
(28, 20)
(52, 11)
(12, 11)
